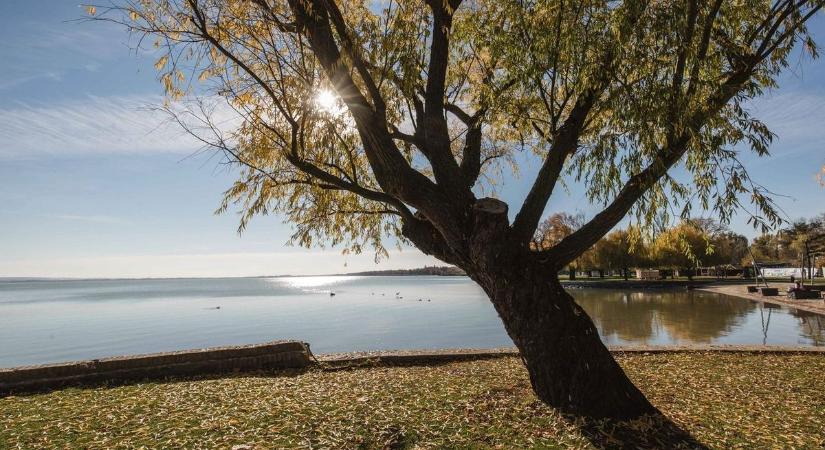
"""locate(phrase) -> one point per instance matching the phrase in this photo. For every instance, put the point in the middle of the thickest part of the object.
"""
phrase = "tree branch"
(576, 243)
(355, 55)
(563, 143)
(433, 128)
(471, 153)
(439, 55)
(392, 171)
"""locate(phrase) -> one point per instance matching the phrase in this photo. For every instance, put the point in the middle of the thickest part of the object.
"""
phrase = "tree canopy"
(789, 244)
(699, 242)
(684, 246)
(361, 117)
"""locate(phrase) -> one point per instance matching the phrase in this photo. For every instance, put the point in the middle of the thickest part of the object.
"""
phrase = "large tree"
(362, 120)
(727, 249)
(555, 228)
(807, 241)
(684, 246)
(621, 249)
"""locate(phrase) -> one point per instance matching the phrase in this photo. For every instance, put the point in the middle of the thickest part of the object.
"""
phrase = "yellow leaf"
(91, 10)
(161, 62)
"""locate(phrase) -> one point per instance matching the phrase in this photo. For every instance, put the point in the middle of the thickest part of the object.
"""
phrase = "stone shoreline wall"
(271, 355)
(282, 355)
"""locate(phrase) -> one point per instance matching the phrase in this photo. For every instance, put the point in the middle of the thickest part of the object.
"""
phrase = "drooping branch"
(576, 243)
(637, 185)
(269, 57)
(369, 194)
(565, 141)
(198, 17)
(317, 176)
(681, 125)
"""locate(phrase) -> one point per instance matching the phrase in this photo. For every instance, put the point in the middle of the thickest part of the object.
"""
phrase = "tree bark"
(570, 368)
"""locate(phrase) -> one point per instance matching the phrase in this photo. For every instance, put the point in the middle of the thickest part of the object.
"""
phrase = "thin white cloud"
(100, 219)
(93, 125)
(11, 82)
(795, 117)
(39, 51)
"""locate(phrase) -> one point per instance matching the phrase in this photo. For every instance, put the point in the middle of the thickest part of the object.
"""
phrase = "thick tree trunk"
(569, 366)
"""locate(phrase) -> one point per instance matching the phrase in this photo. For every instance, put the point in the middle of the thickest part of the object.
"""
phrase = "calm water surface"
(51, 321)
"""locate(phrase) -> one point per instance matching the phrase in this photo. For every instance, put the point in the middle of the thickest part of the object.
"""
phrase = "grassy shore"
(723, 400)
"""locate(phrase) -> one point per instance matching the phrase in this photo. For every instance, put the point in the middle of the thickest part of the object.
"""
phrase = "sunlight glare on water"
(311, 284)
(44, 321)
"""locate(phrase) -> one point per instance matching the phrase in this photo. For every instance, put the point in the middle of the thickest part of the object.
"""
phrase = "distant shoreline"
(585, 283)
(643, 284)
(429, 270)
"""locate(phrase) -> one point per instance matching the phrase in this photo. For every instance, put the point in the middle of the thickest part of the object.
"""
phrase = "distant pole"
(808, 260)
(756, 269)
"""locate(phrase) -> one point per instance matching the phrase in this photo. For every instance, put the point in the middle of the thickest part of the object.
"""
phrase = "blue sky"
(94, 185)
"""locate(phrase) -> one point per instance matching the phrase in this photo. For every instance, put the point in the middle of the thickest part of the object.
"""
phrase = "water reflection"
(811, 326)
(670, 316)
(311, 284)
(50, 321)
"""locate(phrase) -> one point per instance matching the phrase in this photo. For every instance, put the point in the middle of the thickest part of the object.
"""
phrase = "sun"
(327, 101)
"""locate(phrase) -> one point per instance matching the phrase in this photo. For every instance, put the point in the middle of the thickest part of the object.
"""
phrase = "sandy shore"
(740, 290)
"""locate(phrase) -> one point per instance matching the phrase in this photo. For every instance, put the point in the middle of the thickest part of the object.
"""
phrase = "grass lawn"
(723, 400)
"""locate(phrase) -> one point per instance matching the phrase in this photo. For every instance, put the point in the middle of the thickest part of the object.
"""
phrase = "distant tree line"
(686, 246)
(426, 270)
(802, 242)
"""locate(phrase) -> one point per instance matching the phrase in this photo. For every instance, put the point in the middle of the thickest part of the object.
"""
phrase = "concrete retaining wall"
(284, 355)
(271, 355)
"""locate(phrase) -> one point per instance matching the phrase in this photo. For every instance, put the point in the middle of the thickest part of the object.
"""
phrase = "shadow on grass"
(648, 432)
(107, 380)
(106, 383)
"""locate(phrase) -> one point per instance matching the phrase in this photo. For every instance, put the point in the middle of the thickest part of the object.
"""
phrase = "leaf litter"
(724, 400)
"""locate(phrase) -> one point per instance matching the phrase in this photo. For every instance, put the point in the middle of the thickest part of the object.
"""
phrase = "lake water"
(52, 321)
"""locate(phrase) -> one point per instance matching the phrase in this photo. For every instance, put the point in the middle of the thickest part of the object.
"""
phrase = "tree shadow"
(108, 382)
(166, 376)
(655, 431)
